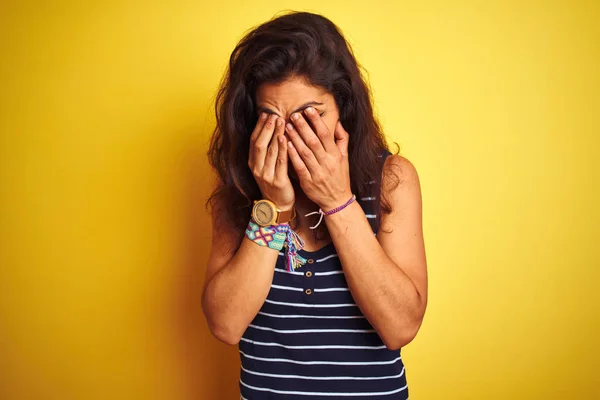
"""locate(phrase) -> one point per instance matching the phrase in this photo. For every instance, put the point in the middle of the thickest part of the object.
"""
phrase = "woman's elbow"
(400, 337)
(221, 330)
(397, 343)
(225, 335)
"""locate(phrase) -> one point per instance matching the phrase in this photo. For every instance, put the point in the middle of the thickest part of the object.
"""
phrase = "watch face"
(263, 213)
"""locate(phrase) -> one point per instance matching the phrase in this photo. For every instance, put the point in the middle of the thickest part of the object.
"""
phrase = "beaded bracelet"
(276, 237)
(337, 209)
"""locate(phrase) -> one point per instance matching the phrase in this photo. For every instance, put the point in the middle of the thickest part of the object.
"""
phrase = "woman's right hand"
(268, 161)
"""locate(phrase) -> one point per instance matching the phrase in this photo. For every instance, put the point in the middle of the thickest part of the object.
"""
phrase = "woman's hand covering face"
(320, 159)
(268, 160)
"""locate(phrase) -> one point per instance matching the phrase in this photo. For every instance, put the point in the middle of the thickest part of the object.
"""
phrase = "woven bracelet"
(277, 237)
(337, 209)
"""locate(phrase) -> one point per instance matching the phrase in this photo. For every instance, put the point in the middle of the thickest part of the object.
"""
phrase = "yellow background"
(105, 113)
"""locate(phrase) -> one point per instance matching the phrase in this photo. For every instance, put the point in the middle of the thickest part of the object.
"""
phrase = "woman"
(317, 268)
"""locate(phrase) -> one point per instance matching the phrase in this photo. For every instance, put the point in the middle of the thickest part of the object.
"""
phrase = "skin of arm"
(238, 280)
(237, 285)
(387, 275)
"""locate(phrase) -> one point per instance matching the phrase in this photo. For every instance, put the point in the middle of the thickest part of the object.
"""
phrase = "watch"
(265, 212)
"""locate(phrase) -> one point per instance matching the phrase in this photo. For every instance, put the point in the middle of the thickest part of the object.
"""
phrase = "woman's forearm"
(384, 293)
(235, 294)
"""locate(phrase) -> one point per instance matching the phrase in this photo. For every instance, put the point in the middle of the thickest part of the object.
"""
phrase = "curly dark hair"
(294, 44)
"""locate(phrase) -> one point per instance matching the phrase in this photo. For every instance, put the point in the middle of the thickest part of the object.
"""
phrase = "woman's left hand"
(320, 159)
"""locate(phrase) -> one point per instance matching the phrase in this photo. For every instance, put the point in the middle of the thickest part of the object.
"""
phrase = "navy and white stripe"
(310, 339)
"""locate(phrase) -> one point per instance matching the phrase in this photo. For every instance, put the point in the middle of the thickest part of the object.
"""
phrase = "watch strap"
(284, 217)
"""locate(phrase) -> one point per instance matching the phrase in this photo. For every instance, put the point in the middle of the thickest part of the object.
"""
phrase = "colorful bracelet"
(337, 209)
(276, 237)
(271, 236)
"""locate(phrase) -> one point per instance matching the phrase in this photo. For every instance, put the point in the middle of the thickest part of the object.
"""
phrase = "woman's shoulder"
(400, 195)
(398, 170)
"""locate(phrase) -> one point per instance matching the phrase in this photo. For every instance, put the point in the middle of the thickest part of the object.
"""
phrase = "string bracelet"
(335, 210)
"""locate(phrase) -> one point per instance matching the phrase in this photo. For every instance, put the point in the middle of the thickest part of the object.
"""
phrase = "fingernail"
(279, 122)
(310, 110)
(263, 116)
(295, 116)
(289, 127)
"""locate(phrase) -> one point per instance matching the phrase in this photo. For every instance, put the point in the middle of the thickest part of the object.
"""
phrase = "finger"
(308, 136)
(299, 165)
(302, 149)
(273, 150)
(259, 125)
(326, 138)
(281, 168)
(257, 128)
(261, 142)
(341, 138)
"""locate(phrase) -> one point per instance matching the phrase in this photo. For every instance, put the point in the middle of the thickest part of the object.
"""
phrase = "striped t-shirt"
(310, 339)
